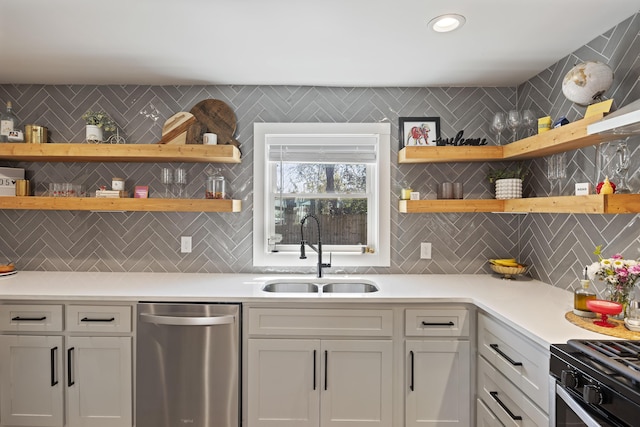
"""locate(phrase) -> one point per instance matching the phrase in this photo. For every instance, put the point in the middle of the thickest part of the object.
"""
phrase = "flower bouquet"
(619, 275)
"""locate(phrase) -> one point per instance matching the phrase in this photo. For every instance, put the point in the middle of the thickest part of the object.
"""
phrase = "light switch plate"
(185, 244)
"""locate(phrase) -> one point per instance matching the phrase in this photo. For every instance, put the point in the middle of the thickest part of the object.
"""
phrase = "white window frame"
(379, 230)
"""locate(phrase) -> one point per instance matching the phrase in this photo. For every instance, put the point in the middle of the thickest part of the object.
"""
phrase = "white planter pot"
(94, 134)
(509, 188)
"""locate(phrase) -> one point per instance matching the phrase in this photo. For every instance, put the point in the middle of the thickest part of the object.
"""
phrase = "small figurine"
(606, 187)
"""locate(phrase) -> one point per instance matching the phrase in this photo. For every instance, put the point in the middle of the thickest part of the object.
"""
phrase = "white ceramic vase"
(509, 188)
(94, 134)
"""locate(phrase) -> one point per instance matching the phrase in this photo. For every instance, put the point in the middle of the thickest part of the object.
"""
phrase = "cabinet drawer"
(505, 400)
(484, 416)
(25, 318)
(524, 363)
(437, 322)
(320, 322)
(98, 318)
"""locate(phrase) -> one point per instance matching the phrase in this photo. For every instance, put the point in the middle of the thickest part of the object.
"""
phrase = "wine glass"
(514, 120)
(529, 122)
(180, 180)
(498, 124)
(167, 180)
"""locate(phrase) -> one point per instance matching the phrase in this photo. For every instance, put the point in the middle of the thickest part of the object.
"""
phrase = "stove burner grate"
(621, 356)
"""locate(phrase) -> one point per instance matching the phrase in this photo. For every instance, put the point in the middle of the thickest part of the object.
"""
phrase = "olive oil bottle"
(581, 296)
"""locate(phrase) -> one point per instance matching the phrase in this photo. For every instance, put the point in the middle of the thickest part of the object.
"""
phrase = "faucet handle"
(324, 264)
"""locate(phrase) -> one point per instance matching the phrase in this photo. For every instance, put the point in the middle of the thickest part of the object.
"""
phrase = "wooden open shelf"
(119, 204)
(464, 205)
(592, 204)
(73, 152)
(565, 138)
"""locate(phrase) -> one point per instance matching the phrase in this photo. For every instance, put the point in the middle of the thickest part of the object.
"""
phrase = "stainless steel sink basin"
(321, 285)
(286, 287)
(350, 287)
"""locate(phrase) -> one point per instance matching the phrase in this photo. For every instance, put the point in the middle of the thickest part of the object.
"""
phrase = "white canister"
(117, 184)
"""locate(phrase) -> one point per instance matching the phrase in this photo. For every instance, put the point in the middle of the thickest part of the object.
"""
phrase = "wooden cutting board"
(175, 128)
(219, 118)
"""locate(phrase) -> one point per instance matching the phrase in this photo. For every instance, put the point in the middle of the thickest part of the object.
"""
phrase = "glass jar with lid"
(216, 186)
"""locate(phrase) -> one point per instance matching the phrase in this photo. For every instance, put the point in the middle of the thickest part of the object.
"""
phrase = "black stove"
(602, 377)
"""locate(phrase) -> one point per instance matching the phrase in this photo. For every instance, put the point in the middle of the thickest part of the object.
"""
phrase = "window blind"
(322, 148)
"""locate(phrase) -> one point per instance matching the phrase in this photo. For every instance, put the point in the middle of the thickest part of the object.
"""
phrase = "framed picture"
(419, 131)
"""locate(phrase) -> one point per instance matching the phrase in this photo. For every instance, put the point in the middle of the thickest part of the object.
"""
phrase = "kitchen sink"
(330, 286)
(287, 287)
(350, 287)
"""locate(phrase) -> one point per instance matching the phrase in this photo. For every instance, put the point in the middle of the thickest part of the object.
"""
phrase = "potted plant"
(508, 181)
(97, 122)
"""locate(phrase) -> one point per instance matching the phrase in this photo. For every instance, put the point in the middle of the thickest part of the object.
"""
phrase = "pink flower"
(634, 269)
(617, 256)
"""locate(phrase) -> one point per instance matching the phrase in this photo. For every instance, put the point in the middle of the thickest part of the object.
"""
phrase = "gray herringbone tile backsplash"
(556, 245)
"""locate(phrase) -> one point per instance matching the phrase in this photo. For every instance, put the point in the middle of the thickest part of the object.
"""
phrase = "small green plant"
(100, 119)
(506, 173)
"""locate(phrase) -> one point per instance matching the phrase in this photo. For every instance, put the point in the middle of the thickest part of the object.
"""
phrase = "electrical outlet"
(185, 244)
(425, 250)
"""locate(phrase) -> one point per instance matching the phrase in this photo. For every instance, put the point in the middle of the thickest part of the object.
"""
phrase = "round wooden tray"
(620, 331)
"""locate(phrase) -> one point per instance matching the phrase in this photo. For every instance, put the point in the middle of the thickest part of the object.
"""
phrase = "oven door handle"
(576, 407)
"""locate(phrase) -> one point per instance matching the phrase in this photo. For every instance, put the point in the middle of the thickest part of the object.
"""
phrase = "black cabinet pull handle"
(70, 364)
(326, 366)
(514, 417)
(438, 323)
(28, 319)
(54, 370)
(504, 356)
(86, 319)
(314, 368)
(412, 370)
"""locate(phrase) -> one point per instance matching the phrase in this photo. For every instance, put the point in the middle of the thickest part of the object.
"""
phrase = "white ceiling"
(293, 42)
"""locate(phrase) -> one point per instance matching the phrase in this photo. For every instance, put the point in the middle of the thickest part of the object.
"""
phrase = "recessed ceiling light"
(446, 23)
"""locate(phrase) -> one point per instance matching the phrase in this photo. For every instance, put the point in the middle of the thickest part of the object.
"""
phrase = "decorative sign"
(459, 140)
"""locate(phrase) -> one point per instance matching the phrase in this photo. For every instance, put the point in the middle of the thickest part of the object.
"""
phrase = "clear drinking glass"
(180, 180)
(514, 120)
(556, 171)
(167, 180)
(498, 124)
(622, 167)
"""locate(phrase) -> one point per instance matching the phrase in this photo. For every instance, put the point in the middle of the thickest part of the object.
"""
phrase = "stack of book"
(112, 193)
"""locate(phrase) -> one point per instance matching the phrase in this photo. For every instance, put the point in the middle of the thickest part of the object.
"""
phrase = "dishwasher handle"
(187, 321)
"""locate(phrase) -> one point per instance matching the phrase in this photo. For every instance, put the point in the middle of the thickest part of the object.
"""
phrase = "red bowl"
(604, 306)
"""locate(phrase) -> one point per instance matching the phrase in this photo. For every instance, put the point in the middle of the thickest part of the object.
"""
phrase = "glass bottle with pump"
(8, 123)
(581, 296)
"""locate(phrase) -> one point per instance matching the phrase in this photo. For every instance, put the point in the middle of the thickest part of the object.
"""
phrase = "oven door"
(569, 411)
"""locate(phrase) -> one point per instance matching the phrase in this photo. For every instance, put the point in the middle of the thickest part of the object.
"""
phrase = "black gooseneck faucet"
(317, 249)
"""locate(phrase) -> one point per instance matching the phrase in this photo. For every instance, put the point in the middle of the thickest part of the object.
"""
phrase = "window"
(338, 172)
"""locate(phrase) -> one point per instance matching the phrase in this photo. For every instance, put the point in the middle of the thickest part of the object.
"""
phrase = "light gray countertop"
(531, 307)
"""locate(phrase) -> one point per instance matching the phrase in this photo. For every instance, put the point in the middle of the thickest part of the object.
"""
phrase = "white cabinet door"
(99, 381)
(284, 383)
(356, 383)
(437, 390)
(31, 383)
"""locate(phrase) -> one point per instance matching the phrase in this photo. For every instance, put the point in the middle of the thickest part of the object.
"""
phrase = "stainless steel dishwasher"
(187, 370)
